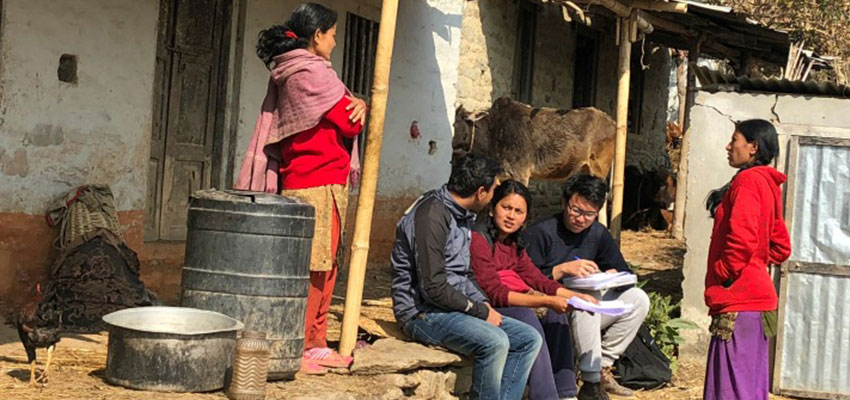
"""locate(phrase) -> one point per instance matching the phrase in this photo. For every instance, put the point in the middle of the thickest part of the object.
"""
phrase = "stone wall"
(56, 135)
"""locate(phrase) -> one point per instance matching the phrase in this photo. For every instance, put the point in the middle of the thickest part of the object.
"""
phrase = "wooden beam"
(624, 76)
(667, 25)
(648, 5)
(369, 181)
(621, 10)
(682, 174)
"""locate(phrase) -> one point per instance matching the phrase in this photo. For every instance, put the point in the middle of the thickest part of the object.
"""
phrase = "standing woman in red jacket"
(301, 148)
(749, 234)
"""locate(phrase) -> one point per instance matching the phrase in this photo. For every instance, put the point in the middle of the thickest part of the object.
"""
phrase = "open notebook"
(612, 307)
(601, 281)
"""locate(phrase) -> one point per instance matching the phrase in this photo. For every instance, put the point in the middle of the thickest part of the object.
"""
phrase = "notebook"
(601, 281)
(613, 307)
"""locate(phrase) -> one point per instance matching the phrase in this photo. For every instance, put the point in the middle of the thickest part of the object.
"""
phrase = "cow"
(537, 142)
(648, 198)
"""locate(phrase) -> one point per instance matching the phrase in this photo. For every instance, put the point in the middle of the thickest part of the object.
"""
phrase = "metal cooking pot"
(170, 349)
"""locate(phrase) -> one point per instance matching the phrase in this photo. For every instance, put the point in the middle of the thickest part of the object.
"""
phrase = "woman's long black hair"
(507, 187)
(304, 22)
(763, 134)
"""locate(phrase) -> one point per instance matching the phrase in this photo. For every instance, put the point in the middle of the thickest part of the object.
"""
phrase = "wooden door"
(186, 106)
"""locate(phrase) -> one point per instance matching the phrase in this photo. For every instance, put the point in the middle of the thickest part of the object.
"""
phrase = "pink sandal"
(327, 357)
(311, 368)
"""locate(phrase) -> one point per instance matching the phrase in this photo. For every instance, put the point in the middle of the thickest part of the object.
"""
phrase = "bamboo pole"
(369, 181)
(624, 72)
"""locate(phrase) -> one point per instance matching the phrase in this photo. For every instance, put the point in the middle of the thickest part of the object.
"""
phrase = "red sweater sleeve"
(780, 243)
(533, 277)
(742, 240)
(339, 117)
(484, 268)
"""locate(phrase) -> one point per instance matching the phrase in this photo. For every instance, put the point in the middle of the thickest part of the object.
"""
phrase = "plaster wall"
(712, 124)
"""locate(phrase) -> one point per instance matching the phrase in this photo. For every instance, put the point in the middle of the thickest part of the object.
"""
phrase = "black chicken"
(38, 326)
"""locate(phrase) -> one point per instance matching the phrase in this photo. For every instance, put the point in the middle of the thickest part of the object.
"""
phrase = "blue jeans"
(503, 355)
(552, 373)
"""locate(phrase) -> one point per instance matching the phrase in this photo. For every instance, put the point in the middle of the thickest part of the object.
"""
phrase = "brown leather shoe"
(610, 385)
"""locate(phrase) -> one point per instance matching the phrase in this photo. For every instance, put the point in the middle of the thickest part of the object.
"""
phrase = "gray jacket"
(430, 260)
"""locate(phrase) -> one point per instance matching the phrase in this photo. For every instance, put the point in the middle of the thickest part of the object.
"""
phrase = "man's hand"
(612, 271)
(357, 109)
(577, 268)
(493, 317)
(557, 304)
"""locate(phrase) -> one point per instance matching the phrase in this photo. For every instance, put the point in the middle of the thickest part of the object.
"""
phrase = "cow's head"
(466, 123)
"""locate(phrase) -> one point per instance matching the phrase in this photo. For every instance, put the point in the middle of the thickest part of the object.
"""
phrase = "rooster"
(38, 326)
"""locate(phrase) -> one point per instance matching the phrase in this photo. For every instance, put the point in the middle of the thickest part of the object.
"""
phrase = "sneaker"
(609, 384)
(592, 391)
(327, 357)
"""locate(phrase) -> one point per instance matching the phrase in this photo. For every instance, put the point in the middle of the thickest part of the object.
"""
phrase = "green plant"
(664, 329)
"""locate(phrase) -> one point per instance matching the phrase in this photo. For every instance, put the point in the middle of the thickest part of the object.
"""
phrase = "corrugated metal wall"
(815, 353)
(821, 228)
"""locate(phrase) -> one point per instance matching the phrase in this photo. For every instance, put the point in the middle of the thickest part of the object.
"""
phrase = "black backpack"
(643, 365)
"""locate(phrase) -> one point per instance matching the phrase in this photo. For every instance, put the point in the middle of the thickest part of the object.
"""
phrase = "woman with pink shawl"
(304, 145)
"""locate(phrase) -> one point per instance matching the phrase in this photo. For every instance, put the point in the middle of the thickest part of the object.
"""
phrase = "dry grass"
(78, 371)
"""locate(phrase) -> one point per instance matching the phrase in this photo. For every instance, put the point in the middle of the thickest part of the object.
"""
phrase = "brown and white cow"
(538, 142)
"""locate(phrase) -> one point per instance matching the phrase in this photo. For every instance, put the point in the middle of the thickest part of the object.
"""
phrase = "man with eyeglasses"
(574, 244)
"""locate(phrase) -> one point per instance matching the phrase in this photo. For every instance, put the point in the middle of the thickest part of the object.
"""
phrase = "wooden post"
(624, 72)
(684, 117)
(369, 181)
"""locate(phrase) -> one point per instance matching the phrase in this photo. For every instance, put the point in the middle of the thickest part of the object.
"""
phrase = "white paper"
(613, 307)
(601, 280)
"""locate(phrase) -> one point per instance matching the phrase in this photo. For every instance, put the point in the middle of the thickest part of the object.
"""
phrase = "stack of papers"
(601, 281)
(613, 308)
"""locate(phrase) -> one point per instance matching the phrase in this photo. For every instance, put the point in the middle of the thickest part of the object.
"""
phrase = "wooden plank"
(818, 268)
(824, 141)
(811, 394)
(779, 343)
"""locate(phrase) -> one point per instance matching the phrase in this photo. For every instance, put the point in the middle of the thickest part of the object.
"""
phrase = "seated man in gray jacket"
(436, 300)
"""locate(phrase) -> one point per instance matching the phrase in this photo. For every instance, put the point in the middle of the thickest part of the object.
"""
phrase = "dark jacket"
(430, 260)
(550, 243)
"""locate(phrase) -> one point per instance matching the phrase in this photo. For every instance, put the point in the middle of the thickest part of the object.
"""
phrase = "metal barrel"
(248, 257)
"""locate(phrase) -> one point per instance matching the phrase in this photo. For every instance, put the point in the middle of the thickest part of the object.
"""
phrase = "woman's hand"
(357, 110)
(557, 304)
(577, 268)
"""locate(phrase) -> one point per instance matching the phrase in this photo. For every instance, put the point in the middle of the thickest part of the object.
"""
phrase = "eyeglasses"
(578, 212)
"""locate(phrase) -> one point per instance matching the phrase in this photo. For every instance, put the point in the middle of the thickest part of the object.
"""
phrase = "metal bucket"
(170, 349)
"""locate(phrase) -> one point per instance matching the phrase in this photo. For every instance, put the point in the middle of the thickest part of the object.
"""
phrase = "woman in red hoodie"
(302, 147)
(749, 234)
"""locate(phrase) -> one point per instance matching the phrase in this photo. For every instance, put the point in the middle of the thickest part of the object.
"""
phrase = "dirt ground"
(80, 360)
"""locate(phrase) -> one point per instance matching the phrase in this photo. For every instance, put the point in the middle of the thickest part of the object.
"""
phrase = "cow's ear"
(461, 112)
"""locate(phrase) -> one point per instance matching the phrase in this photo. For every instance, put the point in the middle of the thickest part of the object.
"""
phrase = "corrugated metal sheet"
(821, 231)
(816, 350)
(815, 353)
(713, 80)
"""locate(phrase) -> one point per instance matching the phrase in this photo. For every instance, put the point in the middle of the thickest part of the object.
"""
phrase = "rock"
(435, 385)
(328, 396)
(387, 356)
(400, 380)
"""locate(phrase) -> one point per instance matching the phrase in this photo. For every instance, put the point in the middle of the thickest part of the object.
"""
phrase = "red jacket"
(487, 261)
(749, 233)
(317, 156)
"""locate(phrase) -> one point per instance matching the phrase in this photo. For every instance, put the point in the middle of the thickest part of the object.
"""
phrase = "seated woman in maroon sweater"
(515, 286)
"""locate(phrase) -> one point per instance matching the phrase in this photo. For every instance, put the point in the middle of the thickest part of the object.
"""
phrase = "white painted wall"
(712, 124)
(56, 135)
(422, 85)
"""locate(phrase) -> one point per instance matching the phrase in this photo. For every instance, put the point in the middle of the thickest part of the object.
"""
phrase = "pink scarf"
(302, 89)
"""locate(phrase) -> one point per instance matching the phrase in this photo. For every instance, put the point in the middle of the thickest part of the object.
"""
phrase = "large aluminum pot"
(170, 349)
